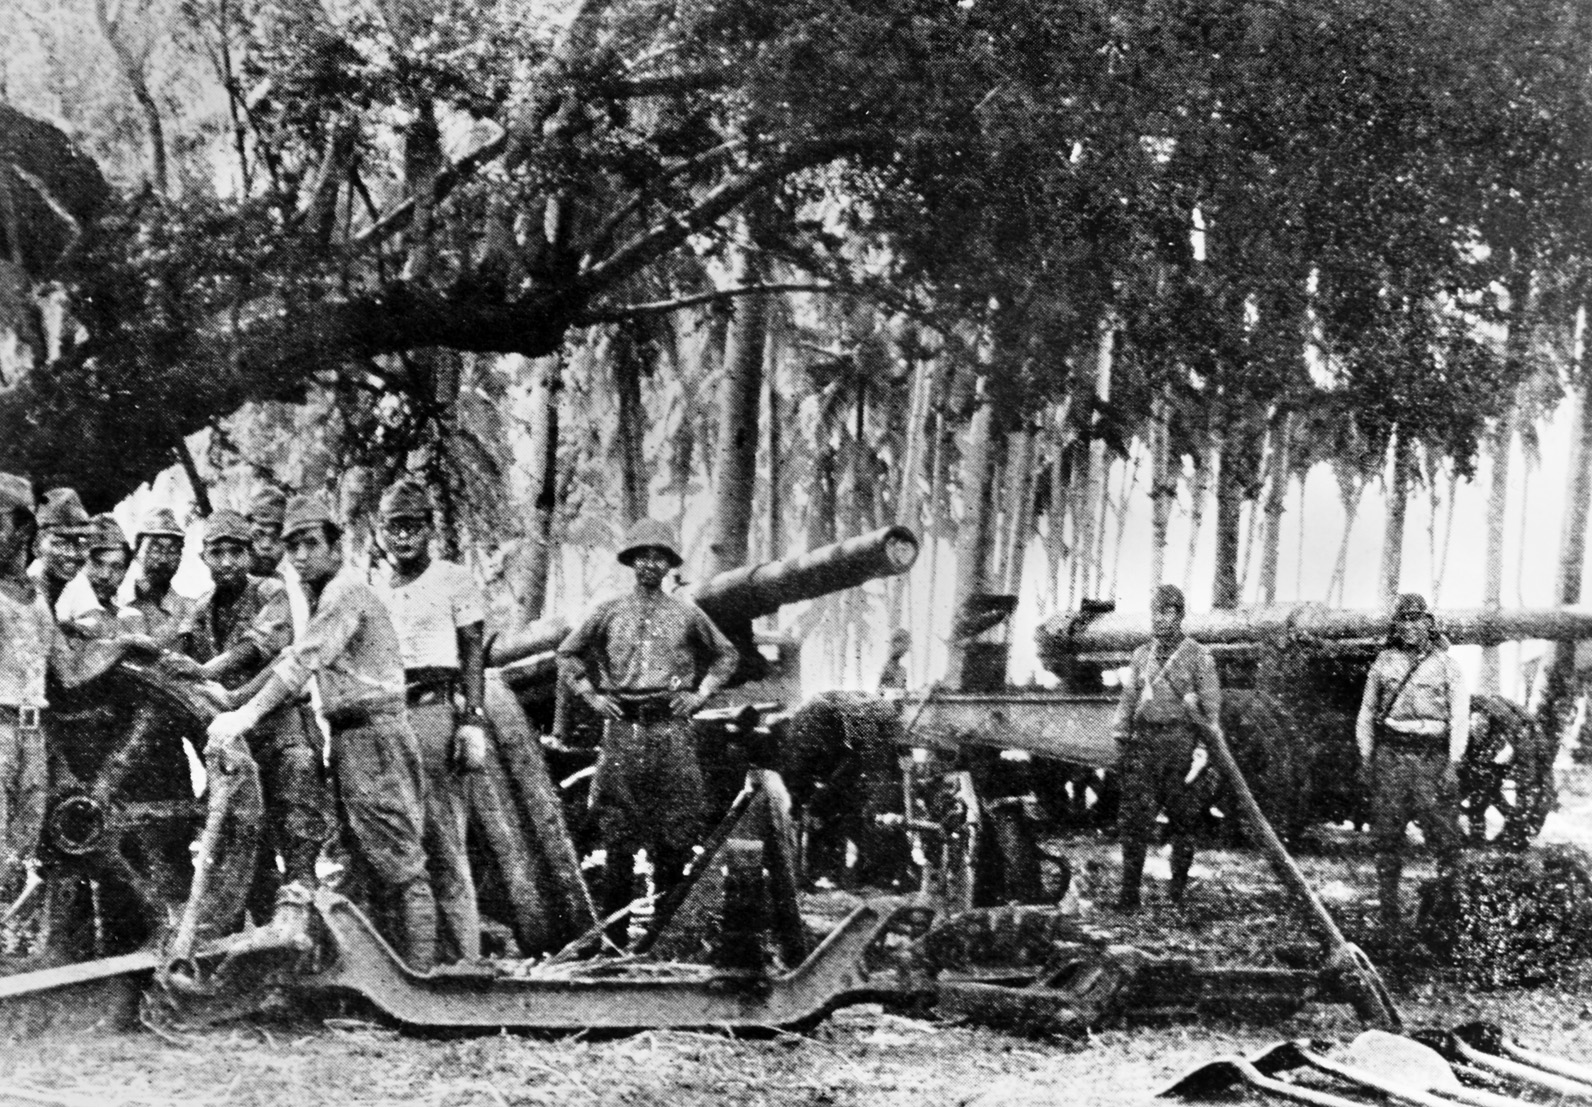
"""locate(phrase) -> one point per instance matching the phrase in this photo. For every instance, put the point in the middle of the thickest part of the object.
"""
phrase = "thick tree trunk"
(909, 501)
(1397, 502)
(1205, 466)
(1276, 494)
(776, 455)
(544, 488)
(1229, 508)
(1018, 514)
(972, 532)
(1056, 522)
(1503, 438)
(735, 461)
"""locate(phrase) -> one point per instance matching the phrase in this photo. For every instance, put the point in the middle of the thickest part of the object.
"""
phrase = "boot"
(1133, 854)
(1182, 862)
(418, 911)
(290, 921)
(1389, 872)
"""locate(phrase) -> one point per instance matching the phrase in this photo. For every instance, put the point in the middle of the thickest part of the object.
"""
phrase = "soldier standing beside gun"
(635, 660)
(237, 631)
(64, 528)
(440, 616)
(1171, 690)
(1412, 730)
(351, 649)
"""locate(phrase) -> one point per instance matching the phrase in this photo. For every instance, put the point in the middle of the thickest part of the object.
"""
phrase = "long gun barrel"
(753, 591)
(541, 636)
(1064, 636)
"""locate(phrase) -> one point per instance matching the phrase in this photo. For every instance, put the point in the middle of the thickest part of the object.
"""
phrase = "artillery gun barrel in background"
(754, 591)
(1069, 636)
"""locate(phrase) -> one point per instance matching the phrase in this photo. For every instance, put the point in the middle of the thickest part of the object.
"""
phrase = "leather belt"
(26, 717)
(430, 685)
(1388, 738)
(354, 715)
(645, 708)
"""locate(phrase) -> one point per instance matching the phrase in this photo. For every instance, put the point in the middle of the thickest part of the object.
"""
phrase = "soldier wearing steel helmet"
(1412, 731)
(646, 662)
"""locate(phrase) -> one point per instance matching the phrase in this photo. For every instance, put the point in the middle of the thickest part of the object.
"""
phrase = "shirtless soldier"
(636, 661)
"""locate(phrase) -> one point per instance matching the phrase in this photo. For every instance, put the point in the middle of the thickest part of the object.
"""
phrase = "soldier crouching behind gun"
(1412, 730)
(1171, 683)
(635, 660)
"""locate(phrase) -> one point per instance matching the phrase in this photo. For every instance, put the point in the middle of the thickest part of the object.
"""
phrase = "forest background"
(1275, 299)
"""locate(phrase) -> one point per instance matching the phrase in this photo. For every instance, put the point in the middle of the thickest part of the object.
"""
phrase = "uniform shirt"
(165, 619)
(1154, 688)
(647, 642)
(429, 610)
(350, 646)
(258, 617)
(1434, 702)
(29, 637)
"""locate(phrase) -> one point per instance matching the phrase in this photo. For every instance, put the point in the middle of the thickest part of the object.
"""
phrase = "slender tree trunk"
(1086, 569)
(1056, 523)
(1397, 501)
(1497, 508)
(1205, 465)
(1276, 497)
(625, 363)
(1017, 515)
(544, 487)
(1229, 508)
(776, 446)
(909, 502)
(1246, 558)
(735, 466)
(1559, 664)
(972, 532)
(1163, 489)
(933, 531)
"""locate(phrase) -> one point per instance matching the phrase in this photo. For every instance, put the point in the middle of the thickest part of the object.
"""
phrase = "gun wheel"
(120, 819)
(1507, 787)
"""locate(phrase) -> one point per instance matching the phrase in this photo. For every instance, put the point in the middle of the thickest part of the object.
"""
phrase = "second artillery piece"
(1292, 678)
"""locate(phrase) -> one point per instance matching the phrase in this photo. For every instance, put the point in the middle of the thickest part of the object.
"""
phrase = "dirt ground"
(861, 1056)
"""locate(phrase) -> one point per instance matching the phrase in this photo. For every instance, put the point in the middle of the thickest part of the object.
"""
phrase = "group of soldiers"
(1411, 735)
(359, 694)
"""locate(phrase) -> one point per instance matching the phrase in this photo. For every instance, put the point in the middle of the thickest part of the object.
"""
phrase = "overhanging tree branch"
(663, 307)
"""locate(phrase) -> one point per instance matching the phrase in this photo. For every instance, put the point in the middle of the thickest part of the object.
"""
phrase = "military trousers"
(24, 784)
(447, 812)
(647, 794)
(380, 792)
(286, 747)
(1407, 786)
(1153, 764)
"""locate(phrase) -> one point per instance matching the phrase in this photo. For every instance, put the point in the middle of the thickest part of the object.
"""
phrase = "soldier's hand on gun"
(606, 706)
(182, 666)
(685, 704)
(469, 747)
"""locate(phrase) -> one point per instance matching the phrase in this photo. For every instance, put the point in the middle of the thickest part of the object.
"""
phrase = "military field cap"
(159, 523)
(106, 533)
(650, 534)
(227, 525)
(1411, 605)
(268, 505)
(407, 499)
(15, 492)
(304, 512)
(63, 510)
(1169, 595)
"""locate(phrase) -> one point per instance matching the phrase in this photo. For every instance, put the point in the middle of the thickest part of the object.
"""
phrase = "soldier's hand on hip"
(469, 747)
(606, 706)
(686, 704)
